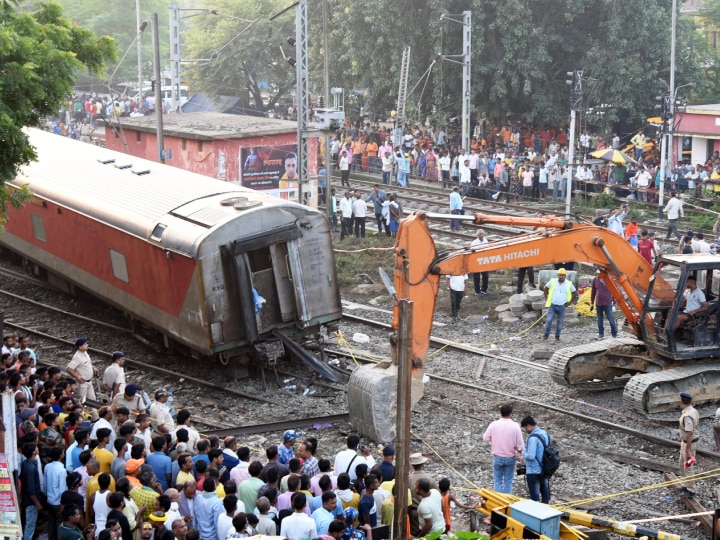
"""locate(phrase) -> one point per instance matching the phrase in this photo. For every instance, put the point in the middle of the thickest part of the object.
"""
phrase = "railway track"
(427, 195)
(448, 344)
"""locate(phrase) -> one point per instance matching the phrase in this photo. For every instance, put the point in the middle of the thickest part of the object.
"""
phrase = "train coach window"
(38, 227)
(119, 266)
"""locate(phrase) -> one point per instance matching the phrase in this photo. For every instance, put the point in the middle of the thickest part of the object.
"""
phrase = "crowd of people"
(517, 161)
(351, 210)
(134, 469)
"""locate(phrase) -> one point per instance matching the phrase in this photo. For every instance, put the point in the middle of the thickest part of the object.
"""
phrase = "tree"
(40, 55)
(118, 20)
(521, 52)
(250, 63)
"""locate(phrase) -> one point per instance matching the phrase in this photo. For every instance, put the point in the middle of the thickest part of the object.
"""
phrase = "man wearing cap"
(689, 436)
(285, 450)
(386, 465)
(559, 294)
(160, 532)
(114, 375)
(81, 369)
(130, 399)
(160, 418)
(417, 461)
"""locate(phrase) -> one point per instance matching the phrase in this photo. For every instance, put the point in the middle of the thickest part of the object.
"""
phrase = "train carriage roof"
(83, 177)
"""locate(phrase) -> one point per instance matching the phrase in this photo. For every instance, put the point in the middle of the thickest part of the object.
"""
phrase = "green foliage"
(40, 55)
(118, 20)
(246, 63)
(603, 201)
(521, 52)
(460, 535)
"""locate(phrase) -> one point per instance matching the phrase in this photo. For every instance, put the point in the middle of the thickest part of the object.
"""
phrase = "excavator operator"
(695, 302)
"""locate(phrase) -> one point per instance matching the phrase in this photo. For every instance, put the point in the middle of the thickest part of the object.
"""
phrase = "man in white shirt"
(479, 241)
(674, 210)
(464, 170)
(642, 179)
(456, 284)
(359, 210)
(298, 524)
(114, 375)
(430, 513)
(346, 460)
(346, 213)
(444, 166)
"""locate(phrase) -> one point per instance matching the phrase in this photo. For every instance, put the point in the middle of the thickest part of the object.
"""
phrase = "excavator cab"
(698, 337)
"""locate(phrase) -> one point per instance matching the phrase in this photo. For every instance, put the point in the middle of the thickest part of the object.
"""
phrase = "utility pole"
(404, 405)
(467, 71)
(303, 98)
(575, 102)
(139, 51)
(175, 56)
(673, 39)
(467, 75)
(158, 91)
(326, 74)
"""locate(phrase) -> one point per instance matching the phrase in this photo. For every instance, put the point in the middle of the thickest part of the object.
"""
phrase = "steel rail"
(145, 366)
(440, 342)
(278, 426)
(58, 310)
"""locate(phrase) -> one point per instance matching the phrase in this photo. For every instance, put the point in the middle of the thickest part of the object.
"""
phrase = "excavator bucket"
(372, 400)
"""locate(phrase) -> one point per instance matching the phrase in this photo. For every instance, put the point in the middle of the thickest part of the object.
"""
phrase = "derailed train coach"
(228, 272)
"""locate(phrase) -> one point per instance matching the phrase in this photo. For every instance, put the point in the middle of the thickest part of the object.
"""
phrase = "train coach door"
(261, 264)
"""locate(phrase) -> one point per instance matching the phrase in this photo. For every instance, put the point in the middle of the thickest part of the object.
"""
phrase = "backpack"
(551, 456)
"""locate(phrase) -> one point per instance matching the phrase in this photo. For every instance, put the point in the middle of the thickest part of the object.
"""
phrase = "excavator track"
(655, 395)
(568, 363)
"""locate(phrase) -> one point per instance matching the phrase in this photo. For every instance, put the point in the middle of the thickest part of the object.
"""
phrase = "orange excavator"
(653, 366)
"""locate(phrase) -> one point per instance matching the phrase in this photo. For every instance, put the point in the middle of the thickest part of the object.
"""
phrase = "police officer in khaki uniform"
(689, 436)
(82, 370)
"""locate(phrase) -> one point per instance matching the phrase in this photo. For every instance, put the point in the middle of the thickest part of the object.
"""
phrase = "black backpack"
(551, 456)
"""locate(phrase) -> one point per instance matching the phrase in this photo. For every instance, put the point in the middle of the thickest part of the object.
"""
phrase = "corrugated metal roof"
(71, 174)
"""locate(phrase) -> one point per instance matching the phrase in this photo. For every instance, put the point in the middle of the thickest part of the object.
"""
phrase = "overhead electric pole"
(303, 98)
(139, 51)
(465, 60)
(467, 76)
(158, 92)
(575, 103)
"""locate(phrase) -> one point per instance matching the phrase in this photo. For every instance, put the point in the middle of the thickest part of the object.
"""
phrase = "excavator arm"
(418, 265)
(417, 273)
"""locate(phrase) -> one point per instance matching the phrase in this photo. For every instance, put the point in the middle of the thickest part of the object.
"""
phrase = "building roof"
(710, 108)
(210, 126)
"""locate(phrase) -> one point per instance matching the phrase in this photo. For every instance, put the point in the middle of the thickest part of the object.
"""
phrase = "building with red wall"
(696, 134)
(244, 150)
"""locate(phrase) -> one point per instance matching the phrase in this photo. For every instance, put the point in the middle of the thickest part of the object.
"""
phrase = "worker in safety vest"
(559, 294)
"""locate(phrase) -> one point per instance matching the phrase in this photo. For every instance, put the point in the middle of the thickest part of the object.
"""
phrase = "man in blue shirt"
(55, 484)
(160, 462)
(534, 451)
(208, 508)
(456, 207)
(285, 450)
